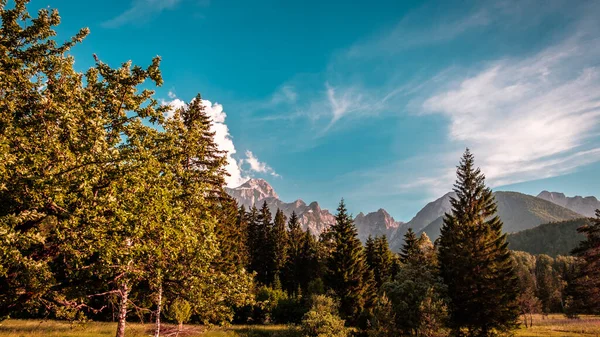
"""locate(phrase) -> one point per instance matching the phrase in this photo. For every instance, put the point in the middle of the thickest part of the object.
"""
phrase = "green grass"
(39, 328)
(550, 326)
(559, 326)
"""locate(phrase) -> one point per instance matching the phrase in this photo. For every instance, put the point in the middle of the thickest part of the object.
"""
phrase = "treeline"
(555, 238)
(110, 211)
(466, 281)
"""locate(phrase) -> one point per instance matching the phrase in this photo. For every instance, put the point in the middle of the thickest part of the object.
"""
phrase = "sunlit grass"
(551, 326)
(559, 325)
(49, 328)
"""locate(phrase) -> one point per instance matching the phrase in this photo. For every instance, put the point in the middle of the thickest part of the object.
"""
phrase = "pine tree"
(231, 235)
(309, 265)
(380, 259)
(262, 246)
(292, 270)
(588, 280)
(279, 242)
(475, 262)
(410, 247)
(347, 267)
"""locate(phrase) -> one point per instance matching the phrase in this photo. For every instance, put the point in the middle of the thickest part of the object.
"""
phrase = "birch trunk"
(123, 310)
(158, 310)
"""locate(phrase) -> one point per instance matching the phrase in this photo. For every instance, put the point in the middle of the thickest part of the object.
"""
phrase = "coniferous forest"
(109, 211)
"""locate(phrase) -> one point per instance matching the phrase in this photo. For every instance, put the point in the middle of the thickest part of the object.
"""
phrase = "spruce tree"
(347, 267)
(410, 247)
(279, 242)
(253, 238)
(588, 280)
(380, 259)
(262, 250)
(310, 266)
(292, 272)
(475, 262)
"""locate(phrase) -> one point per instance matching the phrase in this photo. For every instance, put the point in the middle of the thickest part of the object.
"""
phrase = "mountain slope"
(376, 224)
(557, 238)
(585, 206)
(518, 212)
(312, 217)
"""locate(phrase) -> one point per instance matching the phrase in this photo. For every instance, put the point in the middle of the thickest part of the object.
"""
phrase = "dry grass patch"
(559, 325)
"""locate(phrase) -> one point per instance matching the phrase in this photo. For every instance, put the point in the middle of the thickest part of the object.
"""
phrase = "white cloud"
(174, 105)
(222, 137)
(140, 10)
(528, 119)
(258, 166)
(224, 141)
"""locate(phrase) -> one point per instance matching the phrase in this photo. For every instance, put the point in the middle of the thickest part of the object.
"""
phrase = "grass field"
(559, 326)
(551, 326)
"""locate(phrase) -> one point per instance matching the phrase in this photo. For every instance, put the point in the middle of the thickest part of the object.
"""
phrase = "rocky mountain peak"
(260, 185)
(585, 206)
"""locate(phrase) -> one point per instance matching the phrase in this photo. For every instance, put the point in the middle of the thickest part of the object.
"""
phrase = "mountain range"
(518, 211)
(585, 206)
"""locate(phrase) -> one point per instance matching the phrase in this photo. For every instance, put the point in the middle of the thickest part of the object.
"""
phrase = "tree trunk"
(158, 310)
(123, 311)
(179, 328)
(530, 320)
(525, 319)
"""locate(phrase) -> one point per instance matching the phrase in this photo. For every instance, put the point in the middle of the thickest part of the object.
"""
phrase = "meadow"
(549, 326)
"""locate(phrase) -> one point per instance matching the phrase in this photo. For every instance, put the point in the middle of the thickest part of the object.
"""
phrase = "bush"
(322, 320)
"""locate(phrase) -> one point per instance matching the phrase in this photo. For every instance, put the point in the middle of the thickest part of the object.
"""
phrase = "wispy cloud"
(258, 166)
(140, 11)
(525, 117)
(528, 119)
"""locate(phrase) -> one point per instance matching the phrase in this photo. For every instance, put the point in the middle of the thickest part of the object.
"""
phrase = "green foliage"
(556, 238)
(279, 243)
(274, 305)
(179, 311)
(380, 259)
(100, 194)
(322, 319)
(587, 290)
(417, 302)
(475, 262)
(348, 275)
(384, 319)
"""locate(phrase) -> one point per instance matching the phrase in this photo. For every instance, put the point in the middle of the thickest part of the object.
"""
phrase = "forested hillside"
(556, 238)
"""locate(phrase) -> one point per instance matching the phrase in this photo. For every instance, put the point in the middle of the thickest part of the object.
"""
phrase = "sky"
(372, 101)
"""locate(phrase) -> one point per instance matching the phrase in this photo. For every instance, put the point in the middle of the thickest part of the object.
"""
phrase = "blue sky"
(373, 101)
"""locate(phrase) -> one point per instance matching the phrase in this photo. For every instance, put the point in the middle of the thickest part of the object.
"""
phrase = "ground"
(559, 326)
(550, 326)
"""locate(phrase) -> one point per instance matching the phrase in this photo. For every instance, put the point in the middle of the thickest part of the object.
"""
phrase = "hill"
(556, 238)
(518, 212)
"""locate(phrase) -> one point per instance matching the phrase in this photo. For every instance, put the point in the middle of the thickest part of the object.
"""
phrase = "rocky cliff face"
(312, 216)
(376, 224)
(585, 206)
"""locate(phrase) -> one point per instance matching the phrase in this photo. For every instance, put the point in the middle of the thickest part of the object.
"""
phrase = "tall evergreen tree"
(588, 280)
(261, 246)
(310, 265)
(231, 234)
(380, 259)
(475, 262)
(410, 247)
(279, 242)
(292, 272)
(347, 267)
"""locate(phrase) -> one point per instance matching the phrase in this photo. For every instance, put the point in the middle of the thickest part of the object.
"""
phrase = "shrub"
(322, 320)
